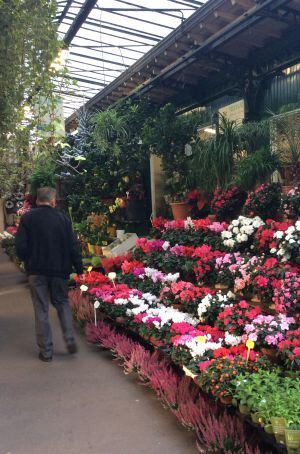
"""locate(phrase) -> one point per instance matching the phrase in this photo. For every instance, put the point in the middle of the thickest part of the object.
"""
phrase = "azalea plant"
(264, 201)
(226, 204)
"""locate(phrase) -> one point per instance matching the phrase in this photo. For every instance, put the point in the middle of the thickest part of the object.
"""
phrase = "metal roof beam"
(88, 81)
(64, 11)
(100, 59)
(146, 9)
(79, 20)
(122, 29)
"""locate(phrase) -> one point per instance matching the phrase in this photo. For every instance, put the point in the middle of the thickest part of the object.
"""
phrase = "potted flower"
(264, 202)
(288, 244)
(291, 203)
(226, 204)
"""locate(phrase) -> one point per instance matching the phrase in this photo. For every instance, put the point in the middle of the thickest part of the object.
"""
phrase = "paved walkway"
(75, 405)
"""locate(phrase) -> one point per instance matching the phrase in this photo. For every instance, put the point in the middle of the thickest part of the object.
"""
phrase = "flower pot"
(256, 300)
(255, 417)
(212, 217)
(91, 248)
(221, 286)
(287, 189)
(155, 342)
(226, 400)
(270, 352)
(292, 439)
(180, 210)
(98, 250)
(278, 425)
(244, 409)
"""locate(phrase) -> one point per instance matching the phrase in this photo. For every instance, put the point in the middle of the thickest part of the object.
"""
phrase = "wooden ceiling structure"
(226, 46)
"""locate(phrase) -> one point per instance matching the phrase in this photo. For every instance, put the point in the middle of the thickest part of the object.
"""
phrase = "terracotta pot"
(221, 286)
(270, 352)
(292, 439)
(278, 425)
(212, 217)
(98, 250)
(180, 210)
(287, 189)
(91, 248)
(226, 400)
(156, 342)
(256, 299)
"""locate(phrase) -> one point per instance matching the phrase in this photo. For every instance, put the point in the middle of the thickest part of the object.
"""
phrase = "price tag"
(89, 269)
(201, 339)
(250, 346)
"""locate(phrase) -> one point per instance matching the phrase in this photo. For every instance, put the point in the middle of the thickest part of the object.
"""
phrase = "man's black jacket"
(46, 243)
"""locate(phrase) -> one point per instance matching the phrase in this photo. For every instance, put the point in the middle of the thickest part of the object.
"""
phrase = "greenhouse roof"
(105, 38)
(219, 47)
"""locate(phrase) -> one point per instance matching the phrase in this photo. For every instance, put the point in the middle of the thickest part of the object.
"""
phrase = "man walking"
(46, 243)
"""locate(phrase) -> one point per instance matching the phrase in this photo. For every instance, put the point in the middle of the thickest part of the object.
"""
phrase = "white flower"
(236, 230)
(188, 223)
(120, 301)
(232, 340)
(235, 222)
(244, 237)
(84, 288)
(278, 234)
(229, 243)
(166, 245)
(292, 241)
(112, 276)
(273, 250)
(291, 229)
(96, 304)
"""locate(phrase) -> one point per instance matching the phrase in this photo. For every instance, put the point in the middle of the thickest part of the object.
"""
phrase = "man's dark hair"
(46, 195)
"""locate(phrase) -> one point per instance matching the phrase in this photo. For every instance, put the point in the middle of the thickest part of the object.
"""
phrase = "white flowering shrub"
(288, 244)
(240, 231)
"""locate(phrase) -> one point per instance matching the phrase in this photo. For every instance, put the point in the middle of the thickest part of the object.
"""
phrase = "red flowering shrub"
(114, 263)
(264, 237)
(92, 278)
(227, 204)
(289, 349)
(205, 265)
(233, 319)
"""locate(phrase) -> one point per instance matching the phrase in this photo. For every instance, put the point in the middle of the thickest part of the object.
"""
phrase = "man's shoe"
(46, 359)
(72, 348)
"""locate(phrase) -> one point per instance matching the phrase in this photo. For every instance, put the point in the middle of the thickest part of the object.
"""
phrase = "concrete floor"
(74, 405)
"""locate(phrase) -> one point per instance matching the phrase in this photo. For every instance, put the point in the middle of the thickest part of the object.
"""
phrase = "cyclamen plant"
(228, 268)
(233, 319)
(211, 305)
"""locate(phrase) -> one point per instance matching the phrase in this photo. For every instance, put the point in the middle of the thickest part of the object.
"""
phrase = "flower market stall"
(217, 302)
